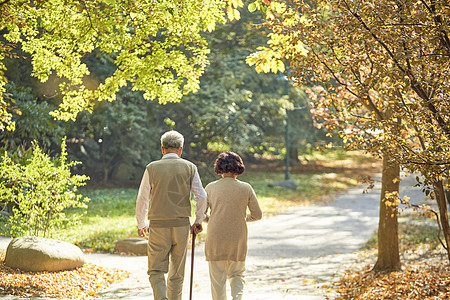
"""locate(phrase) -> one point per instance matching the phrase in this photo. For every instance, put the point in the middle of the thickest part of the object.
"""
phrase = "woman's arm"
(253, 205)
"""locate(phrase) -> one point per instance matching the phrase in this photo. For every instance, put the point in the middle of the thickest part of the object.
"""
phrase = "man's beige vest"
(170, 180)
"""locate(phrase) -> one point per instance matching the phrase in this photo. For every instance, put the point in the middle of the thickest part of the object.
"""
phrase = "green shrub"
(38, 190)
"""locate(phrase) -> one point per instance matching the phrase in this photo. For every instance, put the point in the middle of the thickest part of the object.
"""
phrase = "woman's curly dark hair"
(229, 162)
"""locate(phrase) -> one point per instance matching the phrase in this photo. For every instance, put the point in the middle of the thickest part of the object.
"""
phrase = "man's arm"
(199, 197)
(142, 203)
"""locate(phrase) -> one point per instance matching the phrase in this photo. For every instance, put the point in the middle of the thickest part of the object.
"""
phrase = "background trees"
(156, 46)
(235, 106)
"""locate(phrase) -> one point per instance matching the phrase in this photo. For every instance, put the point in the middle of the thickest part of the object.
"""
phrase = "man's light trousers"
(167, 248)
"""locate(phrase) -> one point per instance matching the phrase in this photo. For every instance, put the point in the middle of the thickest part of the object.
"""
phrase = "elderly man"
(167, 184)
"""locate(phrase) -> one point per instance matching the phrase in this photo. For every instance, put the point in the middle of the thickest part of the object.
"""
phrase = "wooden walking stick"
(192, 264)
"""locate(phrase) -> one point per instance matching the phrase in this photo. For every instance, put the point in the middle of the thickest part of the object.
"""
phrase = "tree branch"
(408, 111)
(89, 16)
(371, 105)
(429, 210)
(438, 20)
(415, 85)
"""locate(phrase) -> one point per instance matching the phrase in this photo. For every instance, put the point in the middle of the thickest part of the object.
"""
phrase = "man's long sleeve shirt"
(144, 194)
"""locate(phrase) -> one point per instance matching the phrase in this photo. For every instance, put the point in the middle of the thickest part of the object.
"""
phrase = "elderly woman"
(226, 239)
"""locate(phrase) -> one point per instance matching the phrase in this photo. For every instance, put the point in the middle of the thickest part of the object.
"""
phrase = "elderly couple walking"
(164, 198)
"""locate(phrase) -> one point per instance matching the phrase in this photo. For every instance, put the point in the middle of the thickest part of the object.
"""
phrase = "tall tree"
(382, 72)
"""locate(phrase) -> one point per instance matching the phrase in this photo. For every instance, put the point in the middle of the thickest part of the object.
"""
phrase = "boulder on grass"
(288, 184)
(136, 246)
(36, 254)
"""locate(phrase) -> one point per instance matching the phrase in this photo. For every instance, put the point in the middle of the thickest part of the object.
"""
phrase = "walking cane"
(192, 264)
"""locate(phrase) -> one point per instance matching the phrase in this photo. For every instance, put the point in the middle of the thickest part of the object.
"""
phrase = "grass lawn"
(110, 216)
(111, 212)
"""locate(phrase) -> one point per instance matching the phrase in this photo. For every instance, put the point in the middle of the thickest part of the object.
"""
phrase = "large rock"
(289, 184)
(136, 246)
(36, 254)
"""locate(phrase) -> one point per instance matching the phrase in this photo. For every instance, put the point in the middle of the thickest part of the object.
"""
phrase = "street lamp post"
(286, 176)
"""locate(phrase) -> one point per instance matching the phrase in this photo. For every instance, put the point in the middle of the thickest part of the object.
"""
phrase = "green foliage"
(110, 216)
(116, 139)
(236, 107)
(32, 121)
(40, 190)
(156, 46)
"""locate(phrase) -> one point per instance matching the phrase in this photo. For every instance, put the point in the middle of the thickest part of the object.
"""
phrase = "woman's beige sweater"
(226, 237)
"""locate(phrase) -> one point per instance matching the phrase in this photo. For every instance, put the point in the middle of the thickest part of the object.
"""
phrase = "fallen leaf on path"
(416, 281)
(307, 281)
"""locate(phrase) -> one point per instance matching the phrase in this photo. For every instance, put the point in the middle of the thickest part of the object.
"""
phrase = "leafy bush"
(38, 190)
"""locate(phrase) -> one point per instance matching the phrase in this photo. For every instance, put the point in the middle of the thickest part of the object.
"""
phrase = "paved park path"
(290, 256)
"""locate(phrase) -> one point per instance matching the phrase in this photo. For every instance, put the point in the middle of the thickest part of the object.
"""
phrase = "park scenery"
(340, 110)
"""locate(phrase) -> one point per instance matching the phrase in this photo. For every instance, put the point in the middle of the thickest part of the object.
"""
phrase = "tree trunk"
(388, 252)
(447, 195)
(443, 216)
(105, 175)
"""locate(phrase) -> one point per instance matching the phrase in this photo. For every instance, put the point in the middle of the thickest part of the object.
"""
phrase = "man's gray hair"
(172, 139)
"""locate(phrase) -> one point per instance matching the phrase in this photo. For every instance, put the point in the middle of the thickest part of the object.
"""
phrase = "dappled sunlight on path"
(293, 255)
(300, 251)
